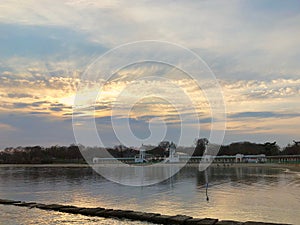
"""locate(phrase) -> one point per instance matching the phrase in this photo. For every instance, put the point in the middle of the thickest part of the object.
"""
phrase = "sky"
(250, 46)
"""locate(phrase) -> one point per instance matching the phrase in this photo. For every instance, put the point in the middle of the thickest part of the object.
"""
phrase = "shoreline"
(66, 165)
(295, 167)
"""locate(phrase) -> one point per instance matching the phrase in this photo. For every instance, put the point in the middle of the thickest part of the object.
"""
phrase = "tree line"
(38, 154)
(72, 153)
(249, 148)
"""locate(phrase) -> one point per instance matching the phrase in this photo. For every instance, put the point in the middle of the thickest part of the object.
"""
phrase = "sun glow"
(68, 100)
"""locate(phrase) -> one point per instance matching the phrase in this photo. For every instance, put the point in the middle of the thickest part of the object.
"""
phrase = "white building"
(251, 158)
(173, 156)
(141, 157)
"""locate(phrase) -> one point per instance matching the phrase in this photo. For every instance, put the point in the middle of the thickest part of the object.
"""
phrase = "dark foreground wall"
(128, 214)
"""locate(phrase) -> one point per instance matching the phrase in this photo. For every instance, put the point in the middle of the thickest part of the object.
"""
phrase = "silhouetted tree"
(291, 150)
(271, 149)
(200, 146)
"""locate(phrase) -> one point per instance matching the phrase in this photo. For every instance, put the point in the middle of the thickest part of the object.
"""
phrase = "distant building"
(251, 158)
(173, 156)
(141, 157)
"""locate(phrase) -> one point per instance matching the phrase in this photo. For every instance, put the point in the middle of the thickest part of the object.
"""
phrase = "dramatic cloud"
(262, 115)
(251, 46)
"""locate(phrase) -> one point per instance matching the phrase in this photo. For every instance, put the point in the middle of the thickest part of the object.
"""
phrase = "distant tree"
(201, 144)
(159, 151)
(271, 148)
(291, 150)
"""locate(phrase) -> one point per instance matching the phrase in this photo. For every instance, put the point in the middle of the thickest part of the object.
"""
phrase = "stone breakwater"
(155, 218)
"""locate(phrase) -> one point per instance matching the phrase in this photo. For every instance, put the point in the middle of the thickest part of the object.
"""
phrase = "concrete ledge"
(129, 214)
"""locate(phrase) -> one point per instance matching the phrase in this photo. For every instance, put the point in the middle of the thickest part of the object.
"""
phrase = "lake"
(241, 193)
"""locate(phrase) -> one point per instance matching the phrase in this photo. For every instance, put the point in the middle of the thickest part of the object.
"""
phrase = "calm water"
(236, 193)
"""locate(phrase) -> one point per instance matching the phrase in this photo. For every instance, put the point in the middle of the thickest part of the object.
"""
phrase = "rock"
(67, 209)
(41, 206)
(262, 223)
(20, 204)
(89, 211)
(54, 207)
(118, 213)
(162, 219)
(148, 216)
(26, 204)
(103, 213)
(62, 208)
(8, 202)
(134, 215)
(207, 221)
(127, 214)
(229, 222)
(193, 221)
(179, 219)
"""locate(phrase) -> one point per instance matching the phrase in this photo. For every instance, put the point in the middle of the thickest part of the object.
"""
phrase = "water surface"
(235, 193)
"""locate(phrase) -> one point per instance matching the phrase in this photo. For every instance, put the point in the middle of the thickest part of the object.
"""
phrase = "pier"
(154, 218)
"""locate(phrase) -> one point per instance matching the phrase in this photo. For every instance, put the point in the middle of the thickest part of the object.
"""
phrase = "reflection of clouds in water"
(138, 175)
(183, 193)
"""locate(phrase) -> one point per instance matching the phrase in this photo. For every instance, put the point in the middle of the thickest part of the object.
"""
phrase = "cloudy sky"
(251, 46)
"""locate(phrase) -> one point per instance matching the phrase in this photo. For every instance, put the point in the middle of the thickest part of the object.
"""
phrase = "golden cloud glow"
(55, 97)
